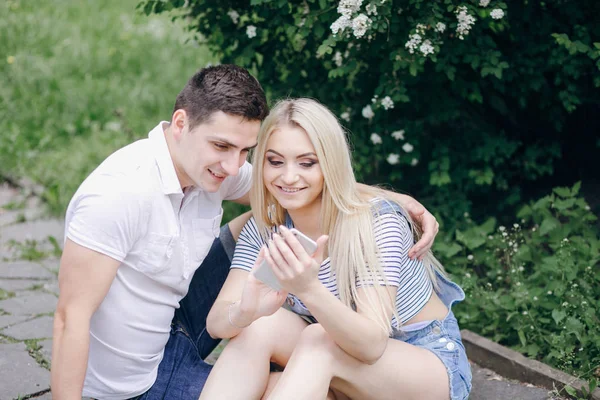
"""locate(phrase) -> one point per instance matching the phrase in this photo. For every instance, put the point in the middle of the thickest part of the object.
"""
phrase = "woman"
(363, 321)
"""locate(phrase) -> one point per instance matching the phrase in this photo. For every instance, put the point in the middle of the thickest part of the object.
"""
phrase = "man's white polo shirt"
(132, 209)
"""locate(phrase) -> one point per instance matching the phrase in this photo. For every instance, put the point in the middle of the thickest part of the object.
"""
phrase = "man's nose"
(231, 165)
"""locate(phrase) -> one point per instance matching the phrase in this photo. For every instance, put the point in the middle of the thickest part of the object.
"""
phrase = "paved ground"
(28, 296)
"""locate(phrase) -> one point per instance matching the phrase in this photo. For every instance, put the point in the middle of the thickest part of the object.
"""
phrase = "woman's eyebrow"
(300, 156)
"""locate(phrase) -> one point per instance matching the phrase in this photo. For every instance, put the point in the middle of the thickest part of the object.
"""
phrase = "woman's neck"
(308, 220)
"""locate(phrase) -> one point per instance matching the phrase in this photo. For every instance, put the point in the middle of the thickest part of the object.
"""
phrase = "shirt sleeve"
(247, 247)
(394, 239)
(109, 222)
(240, 184)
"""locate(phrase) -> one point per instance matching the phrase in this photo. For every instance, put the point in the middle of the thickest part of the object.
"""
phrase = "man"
(131, 315)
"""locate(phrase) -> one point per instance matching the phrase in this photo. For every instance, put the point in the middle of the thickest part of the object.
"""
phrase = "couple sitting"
(357, 318)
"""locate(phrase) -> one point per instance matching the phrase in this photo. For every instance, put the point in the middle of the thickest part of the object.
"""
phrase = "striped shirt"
(393, 238)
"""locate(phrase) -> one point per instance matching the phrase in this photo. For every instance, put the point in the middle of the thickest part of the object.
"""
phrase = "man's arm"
(245, 199)
(419, 214)
(84, 280)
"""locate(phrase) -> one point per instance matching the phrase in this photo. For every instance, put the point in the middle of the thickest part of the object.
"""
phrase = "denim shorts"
(443, 339)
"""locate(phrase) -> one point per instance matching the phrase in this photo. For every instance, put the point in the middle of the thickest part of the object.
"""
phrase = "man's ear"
(178, 123)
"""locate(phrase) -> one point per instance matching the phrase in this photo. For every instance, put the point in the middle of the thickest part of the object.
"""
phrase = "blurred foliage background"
(79, 79)
(491, 132)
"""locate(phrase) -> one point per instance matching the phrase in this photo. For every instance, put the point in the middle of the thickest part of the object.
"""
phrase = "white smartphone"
(265, 273)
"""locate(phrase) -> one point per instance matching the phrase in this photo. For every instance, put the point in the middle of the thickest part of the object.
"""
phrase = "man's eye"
(221, 146)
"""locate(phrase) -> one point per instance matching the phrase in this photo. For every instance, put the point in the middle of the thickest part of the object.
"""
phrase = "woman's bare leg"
(242, 370)
(404, 371)
(274, 378)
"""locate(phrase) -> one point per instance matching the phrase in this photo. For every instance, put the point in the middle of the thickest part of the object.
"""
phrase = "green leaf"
(522, 338)
(447, 249)
(571, 390)
(558, 315)
(575, 188)
(548, 225)
(562, 191)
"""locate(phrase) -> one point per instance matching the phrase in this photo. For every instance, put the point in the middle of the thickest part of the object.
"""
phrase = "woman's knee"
(315, 338)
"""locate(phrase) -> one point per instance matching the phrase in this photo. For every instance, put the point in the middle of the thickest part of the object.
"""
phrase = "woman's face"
(291, 169)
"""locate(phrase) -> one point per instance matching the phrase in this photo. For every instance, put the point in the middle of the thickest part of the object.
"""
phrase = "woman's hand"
(258, 299)
(296, 270)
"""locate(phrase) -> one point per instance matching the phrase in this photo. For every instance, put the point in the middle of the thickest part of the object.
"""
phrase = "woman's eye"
(274, 163)
(307, 164)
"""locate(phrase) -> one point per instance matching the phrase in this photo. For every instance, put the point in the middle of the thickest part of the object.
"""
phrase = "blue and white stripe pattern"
(393, 238)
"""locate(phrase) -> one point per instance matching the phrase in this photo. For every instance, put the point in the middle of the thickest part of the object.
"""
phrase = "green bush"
(534, 285)
(458, 101)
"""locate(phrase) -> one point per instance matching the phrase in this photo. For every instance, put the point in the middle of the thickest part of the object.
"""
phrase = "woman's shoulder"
(382, 206)
(389, 219)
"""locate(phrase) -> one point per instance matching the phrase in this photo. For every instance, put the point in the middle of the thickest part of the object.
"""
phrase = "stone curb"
(514, 365)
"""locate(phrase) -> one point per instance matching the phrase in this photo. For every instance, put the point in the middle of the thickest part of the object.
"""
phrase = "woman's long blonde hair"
(346, 213)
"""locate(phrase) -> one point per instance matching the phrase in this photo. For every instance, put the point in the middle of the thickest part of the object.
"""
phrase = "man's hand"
(426, 221)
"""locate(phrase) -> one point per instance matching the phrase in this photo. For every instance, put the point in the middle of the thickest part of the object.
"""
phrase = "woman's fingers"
(296, 247)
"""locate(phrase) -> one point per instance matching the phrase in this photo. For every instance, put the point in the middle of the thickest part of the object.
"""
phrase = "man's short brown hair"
(227, 88)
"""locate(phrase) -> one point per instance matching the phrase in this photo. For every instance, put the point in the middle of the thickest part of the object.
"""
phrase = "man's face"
(213, 150)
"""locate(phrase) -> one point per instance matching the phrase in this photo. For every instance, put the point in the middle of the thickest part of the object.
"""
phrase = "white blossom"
(467, 275)
(414, 162)
(501, 228)
(413, 42)
(484, 3)
(234, 15)
(375, 138)
(349, 7)
(470, 257)
(374, 99)
(587, 208)
(360, 25)
(407, 147)
(525, 313)
(426, 48)
(371, 9)
(367, 112)
(421, 28)
(497, 13)
(337, 59)
(251, 31)
(387, 103)
(393, 158)
(440, 27)
(398, 135)
(345, 116)
(465, 22)
(340, 24)
(535, 298)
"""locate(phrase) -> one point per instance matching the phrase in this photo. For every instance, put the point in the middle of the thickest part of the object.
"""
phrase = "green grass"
(79, 79)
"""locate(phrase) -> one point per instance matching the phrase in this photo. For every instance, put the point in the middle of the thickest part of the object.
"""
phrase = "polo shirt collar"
(166, 169)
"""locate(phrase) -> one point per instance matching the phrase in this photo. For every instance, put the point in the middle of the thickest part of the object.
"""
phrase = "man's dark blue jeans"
(182, 371)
